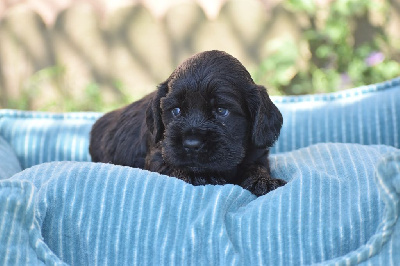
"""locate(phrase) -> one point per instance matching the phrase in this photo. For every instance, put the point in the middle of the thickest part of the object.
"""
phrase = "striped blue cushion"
(366, 115)
(9, 164)
(334, 210)
(21, 242)
(39, 137)
(341, 204)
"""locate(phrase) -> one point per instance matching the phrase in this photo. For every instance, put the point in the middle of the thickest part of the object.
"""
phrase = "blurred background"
(96, 55)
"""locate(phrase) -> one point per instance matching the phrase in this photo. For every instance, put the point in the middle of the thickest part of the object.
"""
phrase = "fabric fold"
(20, 239)
(338, 208)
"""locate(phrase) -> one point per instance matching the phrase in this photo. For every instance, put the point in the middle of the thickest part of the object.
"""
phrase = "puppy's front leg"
(198, 179)
(155, 163)
(258, 180)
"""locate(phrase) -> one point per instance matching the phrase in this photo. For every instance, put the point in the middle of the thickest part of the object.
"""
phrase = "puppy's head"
(209, 112)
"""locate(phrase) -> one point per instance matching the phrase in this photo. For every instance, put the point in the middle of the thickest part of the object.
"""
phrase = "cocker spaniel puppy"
(208, 123)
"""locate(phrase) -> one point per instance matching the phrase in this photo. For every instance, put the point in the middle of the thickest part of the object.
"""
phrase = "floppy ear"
(267, 119)
(153, 113)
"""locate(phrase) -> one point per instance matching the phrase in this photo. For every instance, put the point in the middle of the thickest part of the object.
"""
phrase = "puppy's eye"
(176, 111)
(222, 111)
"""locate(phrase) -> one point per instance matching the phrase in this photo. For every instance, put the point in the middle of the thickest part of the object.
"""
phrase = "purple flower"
(345, 80)
(374, 58)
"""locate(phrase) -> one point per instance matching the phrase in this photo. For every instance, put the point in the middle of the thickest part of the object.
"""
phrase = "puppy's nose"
(192, 143)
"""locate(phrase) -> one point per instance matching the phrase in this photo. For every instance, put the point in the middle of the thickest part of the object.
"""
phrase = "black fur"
(202, 144)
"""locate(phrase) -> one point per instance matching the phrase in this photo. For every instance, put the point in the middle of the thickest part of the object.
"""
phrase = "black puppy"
(208, 123)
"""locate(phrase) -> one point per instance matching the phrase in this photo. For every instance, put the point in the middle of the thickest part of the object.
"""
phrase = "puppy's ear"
(266, 117)
(153, 113)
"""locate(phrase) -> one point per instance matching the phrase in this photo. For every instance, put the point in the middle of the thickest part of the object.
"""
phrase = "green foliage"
(328, 56)
(90, 98)
(32, 88)
(333, 59)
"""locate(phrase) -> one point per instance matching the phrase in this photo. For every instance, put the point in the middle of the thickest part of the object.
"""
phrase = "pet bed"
(339, 153)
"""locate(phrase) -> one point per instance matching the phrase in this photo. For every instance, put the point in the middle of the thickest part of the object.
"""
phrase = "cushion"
(341, 205)
(366, 115)
(39, 137)
(9, 164)
(21, 241)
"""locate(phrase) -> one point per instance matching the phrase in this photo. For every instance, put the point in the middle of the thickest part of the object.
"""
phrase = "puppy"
(208, 123)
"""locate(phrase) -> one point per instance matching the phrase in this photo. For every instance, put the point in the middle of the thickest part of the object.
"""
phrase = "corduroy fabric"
(334, 210)
(366, 115)
(340, 206)
(39, 137)
(9, 164)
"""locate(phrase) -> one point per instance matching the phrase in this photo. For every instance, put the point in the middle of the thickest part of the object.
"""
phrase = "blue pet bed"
(338, 152)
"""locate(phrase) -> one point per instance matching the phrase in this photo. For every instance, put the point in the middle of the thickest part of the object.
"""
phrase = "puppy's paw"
(202, 181)
(261, 186)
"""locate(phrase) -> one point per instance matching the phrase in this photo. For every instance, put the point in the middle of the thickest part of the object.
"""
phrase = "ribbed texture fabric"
(366, 115)
(9, 164)
(20, 236)
(340, 206)
(334, 210)
(39, 137)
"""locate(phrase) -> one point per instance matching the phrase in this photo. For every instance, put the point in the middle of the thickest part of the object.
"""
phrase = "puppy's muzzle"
(194, 134)
(192, 143)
